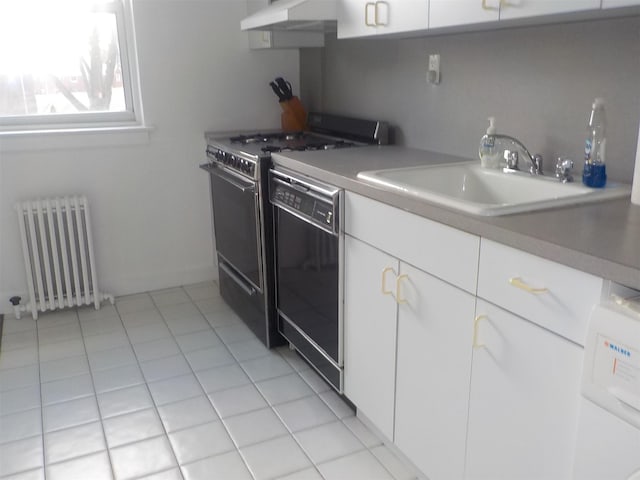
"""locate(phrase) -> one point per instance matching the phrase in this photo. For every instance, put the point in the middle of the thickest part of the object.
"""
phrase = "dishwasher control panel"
(315, 203)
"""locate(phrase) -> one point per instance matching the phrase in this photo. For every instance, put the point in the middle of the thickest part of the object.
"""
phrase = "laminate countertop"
(602, 238)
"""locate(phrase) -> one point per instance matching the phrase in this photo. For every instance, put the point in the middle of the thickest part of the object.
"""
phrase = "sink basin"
(480, 191)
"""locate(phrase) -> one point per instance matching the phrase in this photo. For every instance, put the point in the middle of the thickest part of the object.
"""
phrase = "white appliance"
(608, 437)
(294, 15)
(635, 191)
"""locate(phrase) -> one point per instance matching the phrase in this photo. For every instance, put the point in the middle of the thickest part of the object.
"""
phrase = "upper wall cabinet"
(511, 9)
(363, 18)
(619, 3)
(448, 13)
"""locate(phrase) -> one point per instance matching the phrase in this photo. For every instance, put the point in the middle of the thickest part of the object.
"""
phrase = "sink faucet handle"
(536, 165)
(564, 169)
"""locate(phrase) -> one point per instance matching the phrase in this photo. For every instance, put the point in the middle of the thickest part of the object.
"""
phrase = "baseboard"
(391, 446)
(129, 285)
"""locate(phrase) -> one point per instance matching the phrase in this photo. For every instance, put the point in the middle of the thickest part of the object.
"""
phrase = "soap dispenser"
(488, 151)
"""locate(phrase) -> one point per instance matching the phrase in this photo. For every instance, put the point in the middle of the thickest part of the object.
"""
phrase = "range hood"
(294, 15)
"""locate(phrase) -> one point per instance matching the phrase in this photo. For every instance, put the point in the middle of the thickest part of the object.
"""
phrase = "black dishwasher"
(309, 247)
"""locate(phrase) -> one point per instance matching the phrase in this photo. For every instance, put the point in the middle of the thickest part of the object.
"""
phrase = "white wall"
(538, 82)
(150, 203)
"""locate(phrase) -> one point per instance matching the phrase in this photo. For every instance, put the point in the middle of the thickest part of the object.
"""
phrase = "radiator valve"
(15, 301)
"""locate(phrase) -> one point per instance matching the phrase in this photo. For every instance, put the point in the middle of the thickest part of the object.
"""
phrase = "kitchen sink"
(470, 188)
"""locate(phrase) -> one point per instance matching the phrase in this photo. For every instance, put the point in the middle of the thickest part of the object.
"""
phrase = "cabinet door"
(448, 13)
(396, 16)
(370, 332)
(435, 328)
(619, 3)
(531, 8)
(358, 18)
(524, 399)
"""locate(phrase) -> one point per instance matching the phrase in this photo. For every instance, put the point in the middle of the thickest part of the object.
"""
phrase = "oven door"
(307, 278)
(236, 217)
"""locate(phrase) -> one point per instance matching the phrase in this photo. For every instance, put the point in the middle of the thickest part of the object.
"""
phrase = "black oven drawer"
(236, 218)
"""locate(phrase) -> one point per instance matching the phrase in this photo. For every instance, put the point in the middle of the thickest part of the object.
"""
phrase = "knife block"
(293, 117)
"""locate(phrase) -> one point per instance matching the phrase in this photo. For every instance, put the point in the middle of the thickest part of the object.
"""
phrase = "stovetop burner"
(267, 137)
(316, 144)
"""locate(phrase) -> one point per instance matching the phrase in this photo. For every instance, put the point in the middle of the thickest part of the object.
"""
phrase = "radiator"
(58, 255)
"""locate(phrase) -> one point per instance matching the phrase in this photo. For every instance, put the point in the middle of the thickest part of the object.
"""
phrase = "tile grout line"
(220, 419)
(206, 394)
(44, 459)
(146, 384)
(93, 384)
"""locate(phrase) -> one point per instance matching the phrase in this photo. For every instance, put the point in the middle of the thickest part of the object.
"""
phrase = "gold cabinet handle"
(377, 18)
(384, 281)
(519, 283)
(475, 331)
(486, 7)
(366, 13)
(399, 298)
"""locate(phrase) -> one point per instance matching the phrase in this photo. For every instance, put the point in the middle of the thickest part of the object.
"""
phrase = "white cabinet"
(444, 252)
(465, 353)
(448, 13)
(524, 399)
(395, 311)
(455, 13)
(512, 9)
(435, 325)
(370, 332)
(619, 3)
(527, 364)
(408, 332)
(361, 18)
(554, 296)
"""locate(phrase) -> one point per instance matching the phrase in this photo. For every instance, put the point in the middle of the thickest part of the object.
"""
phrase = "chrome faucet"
(513, 149)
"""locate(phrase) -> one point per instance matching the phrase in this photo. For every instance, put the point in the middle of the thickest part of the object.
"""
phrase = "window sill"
(71, 138)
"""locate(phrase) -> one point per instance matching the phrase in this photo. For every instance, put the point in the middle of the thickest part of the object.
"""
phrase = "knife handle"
(277, 91)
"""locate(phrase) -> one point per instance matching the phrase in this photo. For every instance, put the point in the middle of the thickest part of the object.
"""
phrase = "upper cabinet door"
(355, 18)
(532, 8)
(447, 13)
(396, 16)
(363, 18)
(619, 3)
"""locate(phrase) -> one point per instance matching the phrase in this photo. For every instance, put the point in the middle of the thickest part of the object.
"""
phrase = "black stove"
(238, 164)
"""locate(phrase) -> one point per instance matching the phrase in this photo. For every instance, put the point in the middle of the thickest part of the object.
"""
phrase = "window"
(66, 62)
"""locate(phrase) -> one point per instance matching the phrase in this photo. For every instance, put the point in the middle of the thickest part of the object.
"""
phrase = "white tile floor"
(171, 385)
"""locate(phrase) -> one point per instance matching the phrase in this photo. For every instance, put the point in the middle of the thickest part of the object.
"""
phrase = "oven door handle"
(293, 184)
(248, 290)
(231, 179)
